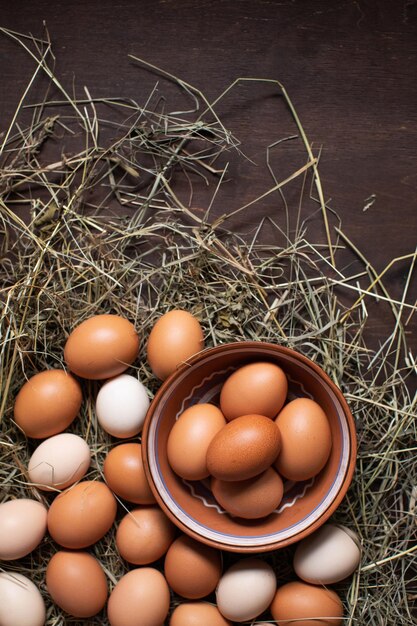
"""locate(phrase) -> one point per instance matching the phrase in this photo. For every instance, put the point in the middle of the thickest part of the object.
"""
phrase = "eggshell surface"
(144, 535)
(22, 527)
(21, 604)
(47, 403)
(101, 347)
(246, 590)
(76, 583)
(258, 388)
(306, 439)
(59, 462)
(307, 605)
(82, 514)
(190, 438)
(250, 499)
(327, 556)
(121, 406)
(197, 614)
(140, 598)
(176, 336)
(244, 448)
(125, 475)
(192, 569)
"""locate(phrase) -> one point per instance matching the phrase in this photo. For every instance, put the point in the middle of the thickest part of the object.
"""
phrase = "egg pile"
(81, 512)
(251, 441)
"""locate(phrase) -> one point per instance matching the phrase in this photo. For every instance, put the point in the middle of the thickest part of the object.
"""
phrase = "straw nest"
(102, 229)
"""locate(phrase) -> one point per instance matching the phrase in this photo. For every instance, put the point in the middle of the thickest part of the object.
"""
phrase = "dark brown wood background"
(349, 66)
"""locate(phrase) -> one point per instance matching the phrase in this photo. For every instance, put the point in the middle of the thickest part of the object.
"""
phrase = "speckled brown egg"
(192, 569)
(306, 439)
(76, 583)
(140, 598)
(306, 605)
(190, 438)
(197, 614)
(250, 499)
(125, 475)
(144, 535)
(47, 403)
(82, 514)
(176, 336)
(244, 448)
(101, 347)
(259, 388)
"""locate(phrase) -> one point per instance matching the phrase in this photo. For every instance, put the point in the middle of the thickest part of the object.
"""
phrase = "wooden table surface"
(349, 68)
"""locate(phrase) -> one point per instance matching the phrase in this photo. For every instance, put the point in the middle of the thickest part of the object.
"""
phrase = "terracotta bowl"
(191, 506)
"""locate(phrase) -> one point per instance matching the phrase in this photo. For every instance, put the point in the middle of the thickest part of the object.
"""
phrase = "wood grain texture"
(349, 67)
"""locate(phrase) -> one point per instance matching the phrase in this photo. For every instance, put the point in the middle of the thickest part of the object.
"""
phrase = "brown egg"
(258, 388)
(82, 514)
(144, 535)
(47, 403)
(176, 336)
(306, 439)
(124, 474)
(251, 499)
(76, 583)
(244, 448)
(197, 614)
(192, 569)
(140, 598)
(306, 604)
(190, 438)
(101, 347)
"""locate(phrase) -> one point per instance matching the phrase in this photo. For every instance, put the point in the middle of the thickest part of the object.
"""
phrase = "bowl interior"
(305, 505)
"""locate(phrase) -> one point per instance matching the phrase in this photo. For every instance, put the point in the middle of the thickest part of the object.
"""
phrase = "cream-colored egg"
(327, 556)
(246, 590)
(22, 527)
(21, 604)
(59, 462)
(121, 406)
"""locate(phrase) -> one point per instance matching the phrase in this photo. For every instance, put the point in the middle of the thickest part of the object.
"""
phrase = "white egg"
(21, 604)
(121, 406)
(59, 462)
(327, 556)
(246, 590)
